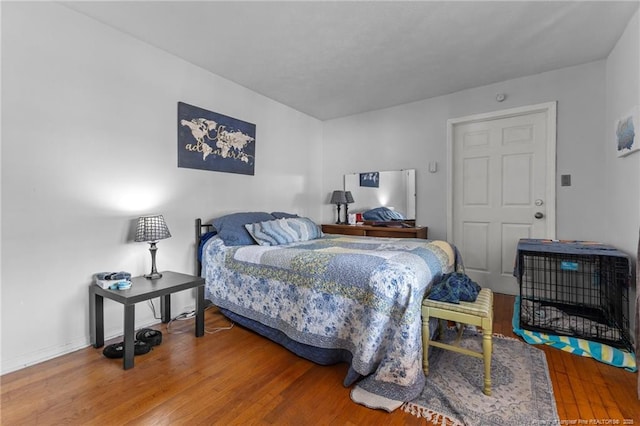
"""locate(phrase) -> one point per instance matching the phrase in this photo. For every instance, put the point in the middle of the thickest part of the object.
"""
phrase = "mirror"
(394, 189)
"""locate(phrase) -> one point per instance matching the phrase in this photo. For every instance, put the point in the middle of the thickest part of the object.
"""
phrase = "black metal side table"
(142, 289)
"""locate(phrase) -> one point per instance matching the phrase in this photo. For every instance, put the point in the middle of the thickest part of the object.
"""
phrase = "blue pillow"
(203, 239)
(231, 228)
(284, 231)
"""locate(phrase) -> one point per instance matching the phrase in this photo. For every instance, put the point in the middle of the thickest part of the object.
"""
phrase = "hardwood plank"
(623, 397)
(578, 392)
(591, 379)
(239, 377)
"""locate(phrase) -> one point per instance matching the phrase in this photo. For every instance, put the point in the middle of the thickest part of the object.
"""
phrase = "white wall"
(622, 178)
(89, 143)
(412, 135)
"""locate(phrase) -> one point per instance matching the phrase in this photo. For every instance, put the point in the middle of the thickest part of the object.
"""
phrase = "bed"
(327, 298)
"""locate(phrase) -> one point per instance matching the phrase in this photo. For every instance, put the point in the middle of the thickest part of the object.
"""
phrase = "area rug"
(522, 393)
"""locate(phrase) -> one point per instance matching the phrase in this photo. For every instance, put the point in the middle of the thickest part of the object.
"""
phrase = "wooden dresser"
(376, 231)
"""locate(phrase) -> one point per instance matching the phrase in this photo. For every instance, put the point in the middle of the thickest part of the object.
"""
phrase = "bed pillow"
(231, 228)
(284, 231)
(203, 239)
(382, 214)
(285, 215)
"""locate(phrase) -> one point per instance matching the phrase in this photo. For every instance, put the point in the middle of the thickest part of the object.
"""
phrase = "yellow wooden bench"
(478, 313)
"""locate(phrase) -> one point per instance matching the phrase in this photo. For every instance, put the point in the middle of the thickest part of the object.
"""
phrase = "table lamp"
(338, 198)
(151, 229)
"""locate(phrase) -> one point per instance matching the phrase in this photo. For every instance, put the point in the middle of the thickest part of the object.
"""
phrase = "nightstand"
(376, 231)
(142, 289)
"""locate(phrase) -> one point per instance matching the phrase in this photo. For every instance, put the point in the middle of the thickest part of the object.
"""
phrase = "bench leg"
(425, 341)
(487, 349)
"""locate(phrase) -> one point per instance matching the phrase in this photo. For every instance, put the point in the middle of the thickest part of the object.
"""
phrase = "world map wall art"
(212, 141)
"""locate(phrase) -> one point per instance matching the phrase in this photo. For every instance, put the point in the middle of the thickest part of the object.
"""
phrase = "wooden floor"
(238, 377)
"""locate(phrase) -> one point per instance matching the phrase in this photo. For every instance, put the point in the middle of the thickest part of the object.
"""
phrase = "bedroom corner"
(88, 145)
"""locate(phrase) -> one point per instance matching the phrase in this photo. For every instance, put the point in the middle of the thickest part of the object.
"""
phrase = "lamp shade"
(349, 197)
(338, 197)
(151, 228)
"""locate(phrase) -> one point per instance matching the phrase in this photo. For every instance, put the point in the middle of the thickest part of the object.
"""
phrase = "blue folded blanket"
(455, 287)
(599, 351)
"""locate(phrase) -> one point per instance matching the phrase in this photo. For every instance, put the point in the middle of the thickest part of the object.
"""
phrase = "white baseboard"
(47, 354)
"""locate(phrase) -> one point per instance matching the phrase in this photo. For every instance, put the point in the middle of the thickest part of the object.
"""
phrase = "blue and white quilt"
(359, 294)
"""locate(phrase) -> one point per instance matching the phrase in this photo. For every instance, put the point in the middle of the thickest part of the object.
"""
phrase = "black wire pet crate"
(575, 288)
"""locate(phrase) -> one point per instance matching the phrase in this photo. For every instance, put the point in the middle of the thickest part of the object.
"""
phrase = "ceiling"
(332, 59)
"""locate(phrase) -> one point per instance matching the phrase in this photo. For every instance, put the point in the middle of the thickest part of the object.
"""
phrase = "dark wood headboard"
(201, 229)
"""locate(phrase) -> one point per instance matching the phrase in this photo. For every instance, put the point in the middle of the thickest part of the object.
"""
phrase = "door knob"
(538, 215)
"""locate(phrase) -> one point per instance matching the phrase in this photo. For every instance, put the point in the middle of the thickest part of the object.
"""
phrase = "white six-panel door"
(502, 188)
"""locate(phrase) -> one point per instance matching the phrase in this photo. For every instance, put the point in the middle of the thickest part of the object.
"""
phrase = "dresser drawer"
(376, 231)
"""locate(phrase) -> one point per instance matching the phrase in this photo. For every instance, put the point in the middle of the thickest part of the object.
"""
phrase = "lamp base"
(153, 276)
(346, 214)
(154, 272)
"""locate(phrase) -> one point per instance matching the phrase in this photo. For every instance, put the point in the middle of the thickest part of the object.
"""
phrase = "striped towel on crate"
(599, 351)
